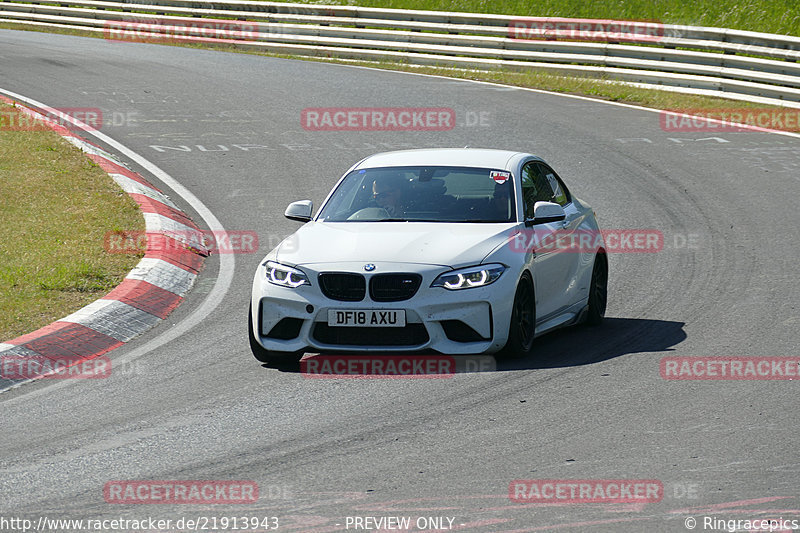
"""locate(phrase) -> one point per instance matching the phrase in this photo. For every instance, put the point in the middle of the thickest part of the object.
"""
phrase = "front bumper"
(467, 321)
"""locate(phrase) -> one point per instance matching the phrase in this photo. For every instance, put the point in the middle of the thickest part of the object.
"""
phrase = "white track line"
(226, 261)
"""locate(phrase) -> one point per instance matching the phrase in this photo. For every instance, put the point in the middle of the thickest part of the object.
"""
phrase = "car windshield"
(422, 194)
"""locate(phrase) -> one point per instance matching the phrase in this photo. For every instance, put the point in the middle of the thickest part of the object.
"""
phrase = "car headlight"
(467, 278)
(285, 276)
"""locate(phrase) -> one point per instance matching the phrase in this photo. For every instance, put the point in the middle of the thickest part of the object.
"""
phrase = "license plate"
(375, 318)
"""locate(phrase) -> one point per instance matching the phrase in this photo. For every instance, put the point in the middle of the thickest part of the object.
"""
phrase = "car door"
(570, 231)
(551, 265)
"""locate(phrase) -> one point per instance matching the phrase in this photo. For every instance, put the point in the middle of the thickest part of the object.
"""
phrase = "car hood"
(431, 243)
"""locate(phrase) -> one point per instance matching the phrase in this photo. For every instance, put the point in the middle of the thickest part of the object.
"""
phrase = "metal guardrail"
(735, 64)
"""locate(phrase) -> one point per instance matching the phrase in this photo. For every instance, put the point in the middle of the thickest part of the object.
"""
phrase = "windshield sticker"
(499, 177)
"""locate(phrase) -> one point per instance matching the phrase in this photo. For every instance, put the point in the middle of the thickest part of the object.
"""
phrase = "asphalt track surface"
(590, 405)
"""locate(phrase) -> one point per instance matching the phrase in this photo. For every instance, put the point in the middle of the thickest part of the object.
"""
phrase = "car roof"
(459, 157)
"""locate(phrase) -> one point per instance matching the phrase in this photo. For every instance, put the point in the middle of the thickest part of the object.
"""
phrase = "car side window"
(560, 193)
(535, 188)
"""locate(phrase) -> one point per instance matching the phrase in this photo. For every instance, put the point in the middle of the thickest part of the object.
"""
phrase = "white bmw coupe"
(456, 251)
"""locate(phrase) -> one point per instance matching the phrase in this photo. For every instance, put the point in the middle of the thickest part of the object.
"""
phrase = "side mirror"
(299, 211)
(544, 212)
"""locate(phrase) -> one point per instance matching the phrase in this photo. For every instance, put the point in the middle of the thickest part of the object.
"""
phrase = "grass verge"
(56, 206)
(769, 16)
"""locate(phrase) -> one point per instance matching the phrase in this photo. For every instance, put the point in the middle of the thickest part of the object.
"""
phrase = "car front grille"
(409, 335)
(343, 286)
(393, 287)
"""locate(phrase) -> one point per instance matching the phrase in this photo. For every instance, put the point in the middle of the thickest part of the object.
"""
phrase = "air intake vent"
(410, 335)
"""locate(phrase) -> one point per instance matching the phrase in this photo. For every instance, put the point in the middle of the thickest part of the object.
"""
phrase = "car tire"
(522, 328)
(598, 291)
(268, 356)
